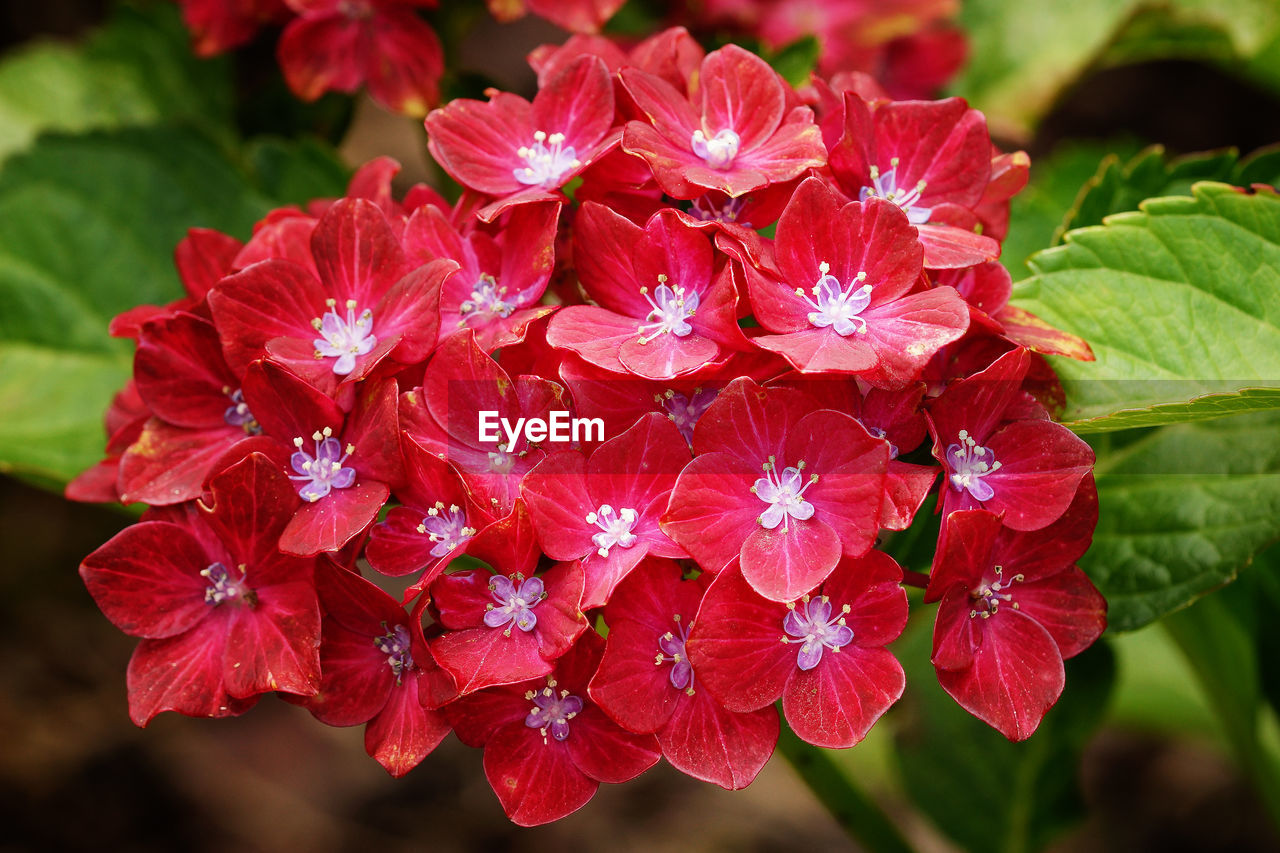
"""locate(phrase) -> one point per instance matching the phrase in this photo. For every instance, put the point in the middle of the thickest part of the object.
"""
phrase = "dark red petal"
(835, 704)
(605, 751)
(705, 741)
(183, 674)
(404, 732)
(535, 779)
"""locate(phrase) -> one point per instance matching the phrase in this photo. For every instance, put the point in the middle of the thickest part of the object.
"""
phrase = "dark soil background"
(76, 775)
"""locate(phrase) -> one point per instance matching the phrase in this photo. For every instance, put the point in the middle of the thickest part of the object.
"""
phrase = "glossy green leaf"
(88, 225)
(1183, 509)
(1180, 303)
(1026, 53)
(136, 70)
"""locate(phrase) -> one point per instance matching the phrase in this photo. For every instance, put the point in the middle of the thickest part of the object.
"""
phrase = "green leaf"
(136, 70)
(296, 172)
(796, 61)
(1180, 303)
(984, 791)
(88, 225)
(1219, 637)
(1037, 213)
(1183, 509)
(1025, 53)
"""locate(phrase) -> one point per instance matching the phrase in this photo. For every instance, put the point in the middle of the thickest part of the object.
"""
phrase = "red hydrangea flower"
(822, 653)
(649, 617)
(604, 509)
(342, 466)
(547, 747)
(435, 523)
(378, 670)
(339, 45)
(223, 614)
(1013, 605)
(198, 411)
(516, 151)
(219, 25)
(503, 628)
(496, 291)
(841, 298)
(932, 159)
(1000, 451)
(366, 305)
(783, 485)
(740, 135)
(662, 310)
(444, 416)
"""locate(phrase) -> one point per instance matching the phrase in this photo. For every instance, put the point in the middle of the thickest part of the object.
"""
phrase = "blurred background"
(1153, 771)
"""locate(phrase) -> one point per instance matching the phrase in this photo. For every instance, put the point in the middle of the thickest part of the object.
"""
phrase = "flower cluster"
(668, 368)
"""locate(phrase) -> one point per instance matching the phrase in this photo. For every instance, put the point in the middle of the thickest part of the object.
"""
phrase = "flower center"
(670, 311)
(486, 302)
(615, 528)
(238, 414)
(226, 586)
(705, 209)
(813, 626)
(343, 339)
(970, 462)
(885, 186)
(503, 461)
(989, 595)
(671, 650)
(837, 306)
(446, 527)
(547, 161)
(395, 645)
(552, 711)
(514, 604)
(319, 474)
(719, 151)
(684, 411)
(784, 495)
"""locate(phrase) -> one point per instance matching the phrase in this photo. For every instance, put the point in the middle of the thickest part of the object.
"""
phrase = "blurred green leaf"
(1219, 636)
(796, 60)
(136, 70)
(1180, 303)
(1026, 53)
(88, 225)
(982, 790)
(1183, 509)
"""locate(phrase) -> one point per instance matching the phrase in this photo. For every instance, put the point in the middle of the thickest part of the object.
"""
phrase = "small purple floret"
(969, 463)
(238, 414)
(811, 622)
(323, 472)
(395, 645)
(224, 585)
(553, 711)
(514, 604)
(685, 411)
(671, 650)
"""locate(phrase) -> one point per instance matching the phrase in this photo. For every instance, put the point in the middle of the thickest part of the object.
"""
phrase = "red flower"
(520, 152)
(604, 509)
(649, 618)
(377, 670)
(781, 484)
(1013, 605)
(841, 298)
(932, 159)
(224, 615)
(502, 628)
(219, 25)
(662, 311)
(823, 653)
(342, 466)
(741, 135)
(497, 290)
(444, 416)
(339, 45)
(999, 450)
(547, 747)
(367, 304)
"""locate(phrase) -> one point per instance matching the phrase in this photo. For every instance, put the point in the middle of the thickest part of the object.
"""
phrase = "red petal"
(705, 741)
(535, 779)
(835, 704)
